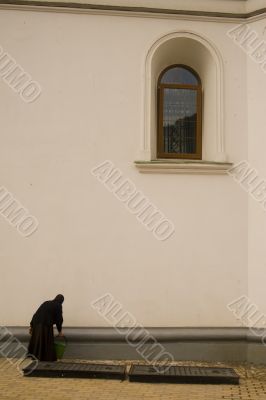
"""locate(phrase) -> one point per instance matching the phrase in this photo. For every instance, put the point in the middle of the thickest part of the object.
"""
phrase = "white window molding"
(183, 167)
(160, 56)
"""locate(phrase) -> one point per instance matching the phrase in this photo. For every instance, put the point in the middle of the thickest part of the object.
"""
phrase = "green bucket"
(60, 346)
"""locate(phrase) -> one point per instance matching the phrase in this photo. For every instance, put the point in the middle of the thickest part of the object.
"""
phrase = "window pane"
(179, 75)
(180, 120)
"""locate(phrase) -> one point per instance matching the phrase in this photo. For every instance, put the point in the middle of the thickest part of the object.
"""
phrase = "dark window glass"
(179, 75)
(179, 122)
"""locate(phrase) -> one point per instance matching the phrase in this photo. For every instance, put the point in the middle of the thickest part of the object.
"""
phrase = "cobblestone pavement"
(13, 386)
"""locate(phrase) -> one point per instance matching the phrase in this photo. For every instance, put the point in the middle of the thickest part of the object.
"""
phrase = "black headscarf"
(59, 299)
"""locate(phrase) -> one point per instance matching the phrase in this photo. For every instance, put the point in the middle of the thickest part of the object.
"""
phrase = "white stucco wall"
(256, 140)
(92, 72)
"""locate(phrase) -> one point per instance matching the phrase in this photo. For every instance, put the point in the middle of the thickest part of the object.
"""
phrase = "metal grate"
(75, 370)
(182, 374)
(137, 373)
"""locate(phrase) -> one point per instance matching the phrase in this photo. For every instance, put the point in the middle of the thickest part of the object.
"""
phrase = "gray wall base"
(185, 344)
(206, 351)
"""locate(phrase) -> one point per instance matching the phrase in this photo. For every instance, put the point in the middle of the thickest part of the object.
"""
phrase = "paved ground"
(13, 386)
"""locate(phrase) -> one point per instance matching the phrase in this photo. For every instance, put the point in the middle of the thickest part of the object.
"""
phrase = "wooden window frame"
(160, 97)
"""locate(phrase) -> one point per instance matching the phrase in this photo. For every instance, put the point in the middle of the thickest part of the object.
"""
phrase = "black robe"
(42, 338)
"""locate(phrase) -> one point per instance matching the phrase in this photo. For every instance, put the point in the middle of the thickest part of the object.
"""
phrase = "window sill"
(183, 167)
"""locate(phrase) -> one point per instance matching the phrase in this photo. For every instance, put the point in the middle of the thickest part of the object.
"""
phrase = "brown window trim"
(160, 136)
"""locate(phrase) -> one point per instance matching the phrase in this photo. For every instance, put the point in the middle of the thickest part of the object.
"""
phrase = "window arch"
(179, 113)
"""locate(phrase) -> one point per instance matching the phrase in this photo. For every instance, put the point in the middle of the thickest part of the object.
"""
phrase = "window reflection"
(179, 75)
(179, 113)
(180, 120)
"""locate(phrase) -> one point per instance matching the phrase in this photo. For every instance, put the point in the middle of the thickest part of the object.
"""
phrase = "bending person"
(41, 329)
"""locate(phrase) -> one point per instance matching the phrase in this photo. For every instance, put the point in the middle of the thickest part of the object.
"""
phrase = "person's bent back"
(41, 329)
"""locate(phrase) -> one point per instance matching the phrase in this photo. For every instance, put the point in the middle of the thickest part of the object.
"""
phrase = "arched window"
(179, 113)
